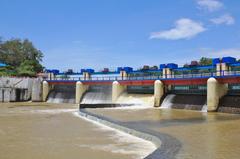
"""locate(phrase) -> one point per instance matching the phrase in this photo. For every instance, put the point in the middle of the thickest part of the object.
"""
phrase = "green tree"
(205, 61)
(22, 56)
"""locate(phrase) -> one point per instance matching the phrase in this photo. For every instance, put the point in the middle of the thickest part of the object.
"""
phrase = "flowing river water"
(44, 130)
(185, 134)
(55, 131)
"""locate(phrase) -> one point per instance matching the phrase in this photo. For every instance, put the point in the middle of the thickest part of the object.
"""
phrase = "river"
(54, 131)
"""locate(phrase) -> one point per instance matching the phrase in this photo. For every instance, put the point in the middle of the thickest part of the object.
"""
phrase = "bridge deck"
(189, 79)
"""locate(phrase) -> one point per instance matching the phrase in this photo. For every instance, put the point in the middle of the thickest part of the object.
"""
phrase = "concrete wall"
(19, 89)
(37, 90)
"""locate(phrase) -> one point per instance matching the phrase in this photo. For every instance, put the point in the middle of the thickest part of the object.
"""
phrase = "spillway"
(181, 101)
(97, 95)
(62, 94)
(136, 99)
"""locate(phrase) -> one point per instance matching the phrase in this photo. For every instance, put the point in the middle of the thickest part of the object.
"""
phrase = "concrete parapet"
(158, 92)
(80, 90)
(117, 90)
(45, 90)
(215, 91)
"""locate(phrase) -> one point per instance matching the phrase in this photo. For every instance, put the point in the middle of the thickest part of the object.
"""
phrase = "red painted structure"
(186, 81)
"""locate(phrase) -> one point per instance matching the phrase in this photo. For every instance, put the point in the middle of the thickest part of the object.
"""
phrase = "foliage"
(22, 57)
(205, 61)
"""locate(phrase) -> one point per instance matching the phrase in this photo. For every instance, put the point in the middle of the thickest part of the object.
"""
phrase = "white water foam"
(139, 100)
(53, 111)
(167, 102)
(204, 108)
(136, 146)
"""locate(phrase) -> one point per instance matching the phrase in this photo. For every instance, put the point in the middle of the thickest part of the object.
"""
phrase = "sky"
(113, 33)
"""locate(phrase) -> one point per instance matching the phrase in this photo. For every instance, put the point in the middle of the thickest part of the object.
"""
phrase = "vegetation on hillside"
(21, 57)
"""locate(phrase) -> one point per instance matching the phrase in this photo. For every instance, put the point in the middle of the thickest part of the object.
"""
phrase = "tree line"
(21, 56)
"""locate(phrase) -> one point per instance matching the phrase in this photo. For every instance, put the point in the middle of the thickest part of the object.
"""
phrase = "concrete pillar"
(45, 90)
(86, 75)
(117, 90)
(51, 76)
(158, 92)
(124, 75)
(80, 90)
(168, 73)
(225, 69)
(164, 73)
(215, 91)
(218, 69)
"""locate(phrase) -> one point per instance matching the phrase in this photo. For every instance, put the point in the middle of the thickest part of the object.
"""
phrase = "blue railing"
(160, 77)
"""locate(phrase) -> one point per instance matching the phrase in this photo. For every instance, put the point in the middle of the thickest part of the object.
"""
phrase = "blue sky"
(110, 33)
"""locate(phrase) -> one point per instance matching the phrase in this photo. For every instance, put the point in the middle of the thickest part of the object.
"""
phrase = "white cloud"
(224, 19)
(184, 29)
(210, 5)
(234, 52)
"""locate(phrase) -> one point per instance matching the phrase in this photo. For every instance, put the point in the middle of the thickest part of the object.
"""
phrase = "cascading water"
(204, 108)
(182, 101)
(167, 102)
(142, 100)
(62, 94)
(98, 95)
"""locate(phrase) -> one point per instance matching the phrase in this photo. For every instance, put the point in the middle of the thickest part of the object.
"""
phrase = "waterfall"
(204, 108)
(98, 95)
(62, 94)
(185, 101)
(143, 100)
(167, 102)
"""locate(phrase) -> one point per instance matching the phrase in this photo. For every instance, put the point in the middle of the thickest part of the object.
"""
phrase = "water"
(43, 130)
(204, 108)
(168, 101)
(62, 94)
(144, 100)
(182, 101)
(185, 134)
(98, 95)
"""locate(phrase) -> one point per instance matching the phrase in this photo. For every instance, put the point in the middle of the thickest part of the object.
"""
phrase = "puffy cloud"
(210, 5)
(224, 19)
(184, 29)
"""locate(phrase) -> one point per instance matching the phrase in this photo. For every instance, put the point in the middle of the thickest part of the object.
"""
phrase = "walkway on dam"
(184, 134)
(192, 79)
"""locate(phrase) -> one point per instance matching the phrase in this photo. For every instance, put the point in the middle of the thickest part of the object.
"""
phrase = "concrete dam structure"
(202, 88)
(209, 88)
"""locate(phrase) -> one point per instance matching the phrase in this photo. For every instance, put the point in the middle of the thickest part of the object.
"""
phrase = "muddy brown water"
(50, 131)
(189, 134)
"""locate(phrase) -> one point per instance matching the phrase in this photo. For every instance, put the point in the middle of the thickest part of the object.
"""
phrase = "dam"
(203, 88)
(172, 112)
